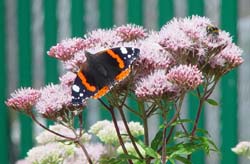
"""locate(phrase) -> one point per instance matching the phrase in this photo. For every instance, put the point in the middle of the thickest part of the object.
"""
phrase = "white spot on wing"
(81, 94)
(76, 88)
(123, 50)
(129, 56)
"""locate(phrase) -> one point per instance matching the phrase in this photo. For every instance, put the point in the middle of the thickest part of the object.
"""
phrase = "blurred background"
(28, 28)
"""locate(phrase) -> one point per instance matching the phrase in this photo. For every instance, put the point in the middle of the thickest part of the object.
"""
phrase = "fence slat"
(4, 121)
(166, 11)
(196, 7)
(25, 69)
(106, 13)
(229, 104)
(135, 11)
(50, 32)
(77, 18)
(78, 30)
(134, 15)
(106, 20)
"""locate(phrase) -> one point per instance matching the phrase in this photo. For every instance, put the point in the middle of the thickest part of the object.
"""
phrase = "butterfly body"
(101, 71)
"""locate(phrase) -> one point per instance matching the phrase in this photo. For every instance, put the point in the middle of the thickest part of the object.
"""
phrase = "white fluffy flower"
(50, 153)
(106, 132)
(46, 136)
(242, 148)
(95, 151)
(136, 128)
(131, 150)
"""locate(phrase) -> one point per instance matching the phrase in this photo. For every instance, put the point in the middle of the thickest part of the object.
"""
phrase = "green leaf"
(203, 131)
(120, 159)
(127, 156)
(157, 140)
(151, 152)
(157, 161)
(179, 135)
(181, 121)
(212, 102)
(172, 161)
(182, 159)
(215, 148)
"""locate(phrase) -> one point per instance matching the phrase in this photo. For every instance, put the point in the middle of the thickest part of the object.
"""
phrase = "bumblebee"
(212, 30)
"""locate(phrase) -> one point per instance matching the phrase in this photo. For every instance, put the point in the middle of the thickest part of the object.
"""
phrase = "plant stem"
(75, 140)
(44, 127)
(163, 153)
(84, 151)
(129, 132)
(111, 110)
(197, 117)
(176, 115)
(145, 122)
(80, 123)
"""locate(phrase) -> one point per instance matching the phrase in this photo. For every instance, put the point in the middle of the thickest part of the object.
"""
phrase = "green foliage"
(212, 102)
(157, 140)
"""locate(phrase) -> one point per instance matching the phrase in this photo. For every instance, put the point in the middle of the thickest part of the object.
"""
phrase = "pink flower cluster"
(54, 98)
(180, 54)
(131, 32)
(155, 85)
(23, 99)
(153, 56)
(185, 76)
(228, 58)
(171, 61)
(48, 101)
(72, 51)
(66, 49)
(190, 41)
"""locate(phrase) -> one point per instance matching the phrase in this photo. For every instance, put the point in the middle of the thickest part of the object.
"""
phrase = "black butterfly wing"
(83, 87)
(102, 70)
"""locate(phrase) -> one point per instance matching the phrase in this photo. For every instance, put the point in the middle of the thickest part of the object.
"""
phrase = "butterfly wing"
(83, 87)
(116, 60)
(103, 69)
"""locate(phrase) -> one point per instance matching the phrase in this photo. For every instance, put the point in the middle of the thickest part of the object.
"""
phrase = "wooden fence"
(28, 28)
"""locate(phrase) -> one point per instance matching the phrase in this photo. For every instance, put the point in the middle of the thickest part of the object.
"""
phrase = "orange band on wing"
(123, 74)
(101, 92)
(85, 83)
(117, 57)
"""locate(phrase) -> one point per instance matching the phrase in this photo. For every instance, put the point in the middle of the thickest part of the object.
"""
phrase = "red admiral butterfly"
(101, 71)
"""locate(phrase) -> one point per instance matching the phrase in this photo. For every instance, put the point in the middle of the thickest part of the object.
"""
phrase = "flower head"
(105, 131)
(54, 98)
(23, 99)
(50, 153)
(66, 49)
(190, 41)
(131, 32)
(185, 76)
(68, 79)
(95, 151)
(228, 58)
(242, 148)
(155, 84)
(47, 137)
(173, 38)
(131, 150)
(104, 38)
(75, 63)
(153, 56)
